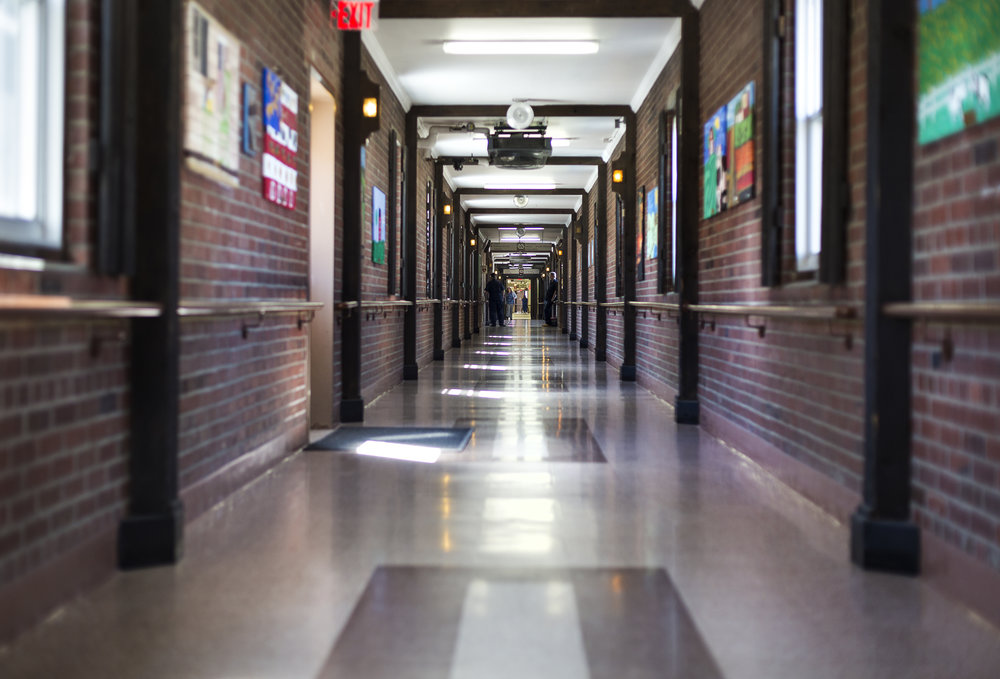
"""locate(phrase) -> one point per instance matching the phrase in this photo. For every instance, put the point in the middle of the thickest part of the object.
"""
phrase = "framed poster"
(739, 125)
(959, 66)
(714, 165)
(281, 140)
(378, 225)
(640, 234)
(652, 223)
(212, 107)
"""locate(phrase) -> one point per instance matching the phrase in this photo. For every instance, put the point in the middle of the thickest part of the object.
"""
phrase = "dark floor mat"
(349, 438)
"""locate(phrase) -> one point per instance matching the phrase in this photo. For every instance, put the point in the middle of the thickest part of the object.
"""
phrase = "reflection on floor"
(516, 557)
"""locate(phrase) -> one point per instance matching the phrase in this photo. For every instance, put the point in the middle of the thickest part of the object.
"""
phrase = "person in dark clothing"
(524, 301)
(494, 293)
(551, 295)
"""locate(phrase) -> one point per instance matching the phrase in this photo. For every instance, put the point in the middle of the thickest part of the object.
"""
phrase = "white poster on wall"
(211, 97)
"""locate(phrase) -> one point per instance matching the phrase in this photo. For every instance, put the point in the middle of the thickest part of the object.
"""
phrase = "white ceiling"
(631, 55)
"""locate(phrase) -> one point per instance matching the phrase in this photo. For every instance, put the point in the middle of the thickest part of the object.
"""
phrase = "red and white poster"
(281, 140)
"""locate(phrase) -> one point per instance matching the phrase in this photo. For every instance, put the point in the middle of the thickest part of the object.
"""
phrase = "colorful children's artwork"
(652, 223)
(378, 226)
(739, 126)
(716, 183)
(281, 140)
(959, 66)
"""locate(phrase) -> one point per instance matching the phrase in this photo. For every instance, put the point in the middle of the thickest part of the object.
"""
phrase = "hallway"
(581, 533)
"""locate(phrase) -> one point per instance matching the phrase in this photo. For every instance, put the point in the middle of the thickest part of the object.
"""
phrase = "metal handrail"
(963, 312)
(191, 308)
(58, 306)
(821, 312)
(657, 306)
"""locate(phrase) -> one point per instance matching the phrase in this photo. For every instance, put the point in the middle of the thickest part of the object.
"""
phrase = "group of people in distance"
(501, 304)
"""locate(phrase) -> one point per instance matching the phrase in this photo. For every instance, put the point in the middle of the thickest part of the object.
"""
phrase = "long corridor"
(580, 533)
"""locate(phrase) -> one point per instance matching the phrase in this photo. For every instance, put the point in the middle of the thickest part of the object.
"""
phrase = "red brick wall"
(657, 336)
(381, 333)
(240, 393)
(956, 428)
(799, 388)
(64, 421)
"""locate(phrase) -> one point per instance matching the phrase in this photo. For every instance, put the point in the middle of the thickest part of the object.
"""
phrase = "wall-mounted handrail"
(611, 305)
(672, 309)
(59, 306)
(820, 312)
(387, 303)
(803, 312)
(951, 312)
(261, 308)
(197, 308)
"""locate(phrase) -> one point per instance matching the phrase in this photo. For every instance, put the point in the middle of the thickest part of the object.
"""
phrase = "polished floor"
(579, 534)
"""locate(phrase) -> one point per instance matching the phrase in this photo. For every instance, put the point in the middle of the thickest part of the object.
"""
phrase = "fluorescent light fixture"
(518, 187)
(521, 47)
(399, 451)
(514, 239)
(526, 228)
(559, 143)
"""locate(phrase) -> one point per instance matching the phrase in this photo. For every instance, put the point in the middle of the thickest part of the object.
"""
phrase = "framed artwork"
(739, 126)
(652, 223)
(959, 66)
(714, 165)
(640, 234)
(212, 110)
(378, 225)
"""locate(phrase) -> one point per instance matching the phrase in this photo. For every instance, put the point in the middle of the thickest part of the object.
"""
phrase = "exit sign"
(352, 16)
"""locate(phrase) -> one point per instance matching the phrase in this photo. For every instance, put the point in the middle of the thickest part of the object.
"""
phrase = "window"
(32, 44)
(808, 132)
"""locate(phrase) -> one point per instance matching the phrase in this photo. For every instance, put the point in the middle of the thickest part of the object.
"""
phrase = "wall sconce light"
(370, 109)
(447, 208)
(618, 175)
(559, 252)
(472, 242)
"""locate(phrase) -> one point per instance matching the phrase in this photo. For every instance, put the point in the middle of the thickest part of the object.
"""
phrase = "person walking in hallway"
(509, 306)
(551, 295)
(494, 296)
(524, 301)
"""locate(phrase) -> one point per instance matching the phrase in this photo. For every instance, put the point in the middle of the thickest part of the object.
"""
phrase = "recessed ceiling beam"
(477, 9)
(500, 111)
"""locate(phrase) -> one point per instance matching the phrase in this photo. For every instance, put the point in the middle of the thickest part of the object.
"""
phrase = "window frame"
(44, 235)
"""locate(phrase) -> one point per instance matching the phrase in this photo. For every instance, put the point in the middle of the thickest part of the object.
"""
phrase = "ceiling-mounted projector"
(519, 150)
(519, 115)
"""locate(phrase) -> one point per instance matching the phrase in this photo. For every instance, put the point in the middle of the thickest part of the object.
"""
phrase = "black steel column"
(152, 533)
(686, 406)
(563, 267)
(352, 405)
(572, 279)
(601, 271)
(882, 534)
(584, 216)
(629, 251)
(477, 293)
(410, 367)
(458, 272)
(438, 254)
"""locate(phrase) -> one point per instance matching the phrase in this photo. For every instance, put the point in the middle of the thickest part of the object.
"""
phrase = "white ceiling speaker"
(520, 200)
(520, 115)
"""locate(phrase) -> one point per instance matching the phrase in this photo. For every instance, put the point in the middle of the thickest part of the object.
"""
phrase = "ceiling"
(631, 54)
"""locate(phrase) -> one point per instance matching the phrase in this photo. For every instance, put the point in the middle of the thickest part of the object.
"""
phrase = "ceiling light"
(521, 47)
(558, 143)
(519, 187)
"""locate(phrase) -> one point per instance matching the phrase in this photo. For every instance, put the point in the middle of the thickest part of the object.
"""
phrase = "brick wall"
(956, 429)
(658, 336)
(798, 388)
(63, 387)
(241, 391)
